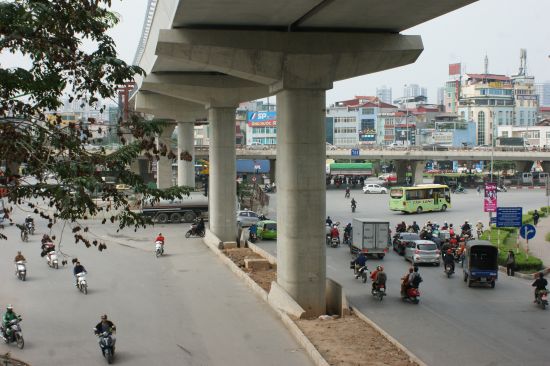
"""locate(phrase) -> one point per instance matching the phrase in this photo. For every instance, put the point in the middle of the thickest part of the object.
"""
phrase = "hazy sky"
(498, 28)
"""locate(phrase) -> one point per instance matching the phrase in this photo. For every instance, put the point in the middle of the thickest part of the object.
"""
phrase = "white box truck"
(370, 236)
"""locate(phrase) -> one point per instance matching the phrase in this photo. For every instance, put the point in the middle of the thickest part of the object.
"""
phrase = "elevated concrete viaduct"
(219, 53)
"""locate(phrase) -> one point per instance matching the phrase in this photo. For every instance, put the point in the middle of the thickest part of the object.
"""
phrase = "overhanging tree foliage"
(50, 34)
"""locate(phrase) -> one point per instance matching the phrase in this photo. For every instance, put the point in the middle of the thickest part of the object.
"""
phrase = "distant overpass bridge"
(410, 154)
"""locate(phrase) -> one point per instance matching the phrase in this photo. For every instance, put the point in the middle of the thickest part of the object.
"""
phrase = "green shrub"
(547, 237)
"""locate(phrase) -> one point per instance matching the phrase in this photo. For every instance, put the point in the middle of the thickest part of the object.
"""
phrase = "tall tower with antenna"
(486, 69)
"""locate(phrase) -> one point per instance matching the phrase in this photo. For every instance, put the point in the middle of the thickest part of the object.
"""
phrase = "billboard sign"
(509, 216)
(454, 69)
(442, 137)
(490, 200)
(262, 119)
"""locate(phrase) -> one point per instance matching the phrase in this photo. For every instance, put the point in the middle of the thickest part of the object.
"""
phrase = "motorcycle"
(502, 189)
(479, 233)
(81, 282)
(353, 207)
(347, 239)
(193, 232)
(379, 292)
(542, 299)
(412, 294)
(25, 234)
(159, 248)
(21, 270)
(334, 242)
(449, 270)
(52, 260)
(361, 272)
(107, 345)
(252, 237)
(16, 334)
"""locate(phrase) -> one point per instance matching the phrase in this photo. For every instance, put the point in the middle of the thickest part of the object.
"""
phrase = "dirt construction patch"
(347, 341)
(351, 341)
(261, 277)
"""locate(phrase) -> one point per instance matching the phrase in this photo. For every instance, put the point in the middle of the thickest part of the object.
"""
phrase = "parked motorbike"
(81, 282)
(542, 299)
(411, 294)
(193, 232)
(21, 270)
(16, 333)
(52, 260)
(449, 270)
(159, 248)
(107, 344)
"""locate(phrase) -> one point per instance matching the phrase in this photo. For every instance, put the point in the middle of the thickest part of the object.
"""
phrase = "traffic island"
(350, 339)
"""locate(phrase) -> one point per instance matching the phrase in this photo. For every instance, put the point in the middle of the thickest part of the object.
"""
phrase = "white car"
(374, 188)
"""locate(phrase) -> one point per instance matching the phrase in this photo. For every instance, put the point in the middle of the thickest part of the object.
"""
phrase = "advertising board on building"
(490, 199)
(443, 137)
(262, 119)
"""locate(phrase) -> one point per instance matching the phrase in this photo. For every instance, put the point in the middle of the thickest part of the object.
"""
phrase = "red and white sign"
(454, 69)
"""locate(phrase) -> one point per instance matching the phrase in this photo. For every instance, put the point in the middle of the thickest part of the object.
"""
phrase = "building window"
(500, 117)
(521, 117)
(504, 134)
(367, 111)
(481, 128)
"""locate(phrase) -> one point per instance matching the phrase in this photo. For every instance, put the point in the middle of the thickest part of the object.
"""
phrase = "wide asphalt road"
(453, 324)
(185, 308)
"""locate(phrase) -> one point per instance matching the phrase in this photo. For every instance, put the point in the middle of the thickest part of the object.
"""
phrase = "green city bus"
(424, 197)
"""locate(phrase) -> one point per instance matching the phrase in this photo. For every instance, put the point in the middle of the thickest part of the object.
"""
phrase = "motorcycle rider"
(103, 326)
(466, 228)
(448, 260)
(347, 192)
(253, 231)
(378, 278)
(200, 226)
(415, 228)
(29, 221)
(445, 226)
(347, 232)
(328, 221)
(414, 278)
(405, 281)
(8, 316)
(539, 284)
(479, 229)
(401, 228)
(360, 263)
(353, 204)
(19, 257)
(78, 268)
(335, 233)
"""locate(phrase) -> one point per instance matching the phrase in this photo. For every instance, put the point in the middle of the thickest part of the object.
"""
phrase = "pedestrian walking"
(536, 217)
(479, 190)
(510, 263)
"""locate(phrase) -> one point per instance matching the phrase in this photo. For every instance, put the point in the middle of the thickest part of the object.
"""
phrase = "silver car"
(247, 218)
(422, 251)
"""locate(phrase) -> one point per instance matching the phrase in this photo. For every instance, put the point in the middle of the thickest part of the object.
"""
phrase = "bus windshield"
(396, 193)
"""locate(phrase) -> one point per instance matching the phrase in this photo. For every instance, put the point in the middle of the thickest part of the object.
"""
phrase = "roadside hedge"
(508, 242)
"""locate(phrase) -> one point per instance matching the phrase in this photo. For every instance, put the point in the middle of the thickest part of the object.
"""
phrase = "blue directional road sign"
(527, 231)
(354, 152)
(509, 216)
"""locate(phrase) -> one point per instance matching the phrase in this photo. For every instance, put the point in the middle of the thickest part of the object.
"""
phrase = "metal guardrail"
(147, 22)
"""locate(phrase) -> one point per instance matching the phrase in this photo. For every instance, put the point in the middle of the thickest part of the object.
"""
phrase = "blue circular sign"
(527, 231)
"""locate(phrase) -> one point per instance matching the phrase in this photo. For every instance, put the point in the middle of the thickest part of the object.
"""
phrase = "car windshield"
(396, 193)
(271, 226)
(426, 246)
(410, 236)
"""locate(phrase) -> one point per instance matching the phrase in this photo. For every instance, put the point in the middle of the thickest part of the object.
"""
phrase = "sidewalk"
(538, 246)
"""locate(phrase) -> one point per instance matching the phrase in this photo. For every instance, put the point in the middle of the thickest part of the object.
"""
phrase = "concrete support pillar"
(222, 182)
(272, 170)
(401, 171)
(546, 166)
(301, 200)
(186, 143)
(164, 165)
(417, 171)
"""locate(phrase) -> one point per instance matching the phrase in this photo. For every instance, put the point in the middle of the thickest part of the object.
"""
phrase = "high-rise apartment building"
(384, 94)
(414, 90)
(543, 91)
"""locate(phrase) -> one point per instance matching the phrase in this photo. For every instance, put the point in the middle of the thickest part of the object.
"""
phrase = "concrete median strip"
(392, 340)
(287, 308)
